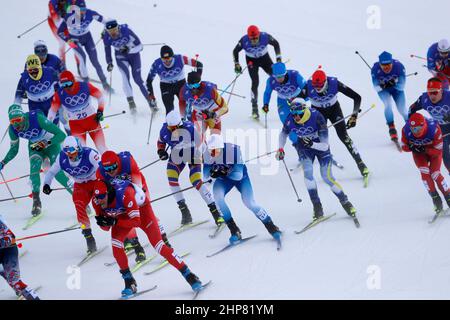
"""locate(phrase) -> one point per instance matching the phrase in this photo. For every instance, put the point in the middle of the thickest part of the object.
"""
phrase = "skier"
(75, 97)
(205, 105)
(185, 144)
(223, 162)
(170, 68)
(310, 127)
(287, 83)
(57, 10)
(423, 137)
(74, 29)
(127, 48)
(79, 163)
(255, 45)
(38, 84)
(389, 78)
(44, 140)
(122, 166)
(436, 101)
(438, 61)
(121, 206)
(9, 260)
(323, 90)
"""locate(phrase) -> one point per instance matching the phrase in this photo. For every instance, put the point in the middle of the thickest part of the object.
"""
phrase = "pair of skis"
(31, 221)
(437, 215)
(322, 219)
(139, 293)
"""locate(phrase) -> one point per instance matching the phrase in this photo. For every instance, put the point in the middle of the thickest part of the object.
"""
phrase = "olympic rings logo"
(171, 73)
(33, 133)
(40, 87)
(76, 100)
(77, 171)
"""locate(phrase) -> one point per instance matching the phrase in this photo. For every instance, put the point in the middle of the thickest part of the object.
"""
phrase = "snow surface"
(330, 261)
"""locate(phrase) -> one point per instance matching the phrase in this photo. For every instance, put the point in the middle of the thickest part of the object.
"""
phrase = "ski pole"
(357, 52)
(48, 233)
(262, 155)
(20, 197)
(154, 44)
(233, 94)
(33, 27)
(86, 132)
(7, 186)
(418, 57)
(21, 177)
(110, 88)
(171, 194)
(4, 135)
(348, 116)
(235, 78)
(412, 74)
(115, 114)
(292, 182)
(150, 127)
(150, 164)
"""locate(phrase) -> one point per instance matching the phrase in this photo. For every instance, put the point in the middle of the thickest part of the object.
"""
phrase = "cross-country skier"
(75, 97)
(312, 142)
(121, 206)
(436, 102)
(57, 9)
(287, 83)
(223, 162)
(122, 166)
(80, 163)
(323, 90)
(389, 78)
(201, 102)
(185, 144)
(423, 137)
(170, 69)
(438, 61)
(255, 44)
(127, 48)
(44, 140)
(9, 261)
(74, 29)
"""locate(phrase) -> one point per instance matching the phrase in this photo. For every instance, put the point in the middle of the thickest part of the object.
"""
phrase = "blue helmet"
(278, 69)
(385, 58)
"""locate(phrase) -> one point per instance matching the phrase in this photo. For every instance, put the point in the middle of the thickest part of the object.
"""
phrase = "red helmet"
(418, 124)
(65, 77)
(253, 31)
(319, 79)
(110, 161)
(435, 84)
(100, 189)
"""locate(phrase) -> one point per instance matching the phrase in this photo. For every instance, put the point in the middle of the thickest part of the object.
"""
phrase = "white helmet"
(71, 145)
(173, 118)
(443, 46)
(300, 102)
(215, 141)
(40, 43)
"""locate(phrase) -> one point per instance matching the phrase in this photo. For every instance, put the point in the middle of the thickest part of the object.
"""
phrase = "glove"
(446, 118)
(110, 67)
(352, 121)
(209, 114)
(279, 59)
(265, 108)
(163, 155)
(99, 116)
(40, 145)
(124, 50)
(237, 68)
(47, 189)
(306, 142)
(219, 170)
(439, 65)
(73, 43)
(105, 221)
(392, 82)
(2, 165)
(5, 242)
(152, 102)
(416, 148)
(280, 154)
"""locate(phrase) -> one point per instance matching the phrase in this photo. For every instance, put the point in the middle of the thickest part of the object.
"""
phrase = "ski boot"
(90, 241)
(363, 169)
(128, 246)
(235, 232)
(218, 219)
(349, 208)
(36, 209)
(318, 211)
(130, 283)
(186, 217)
(437, 202)
(393, 132)
(447, 199)
(24, 292)
(273, 229)
(191, 278)
(166, 240)
(140, 253)
(131, 104)
(255, 113)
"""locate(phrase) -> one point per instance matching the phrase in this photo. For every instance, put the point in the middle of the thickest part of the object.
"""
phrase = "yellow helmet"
(33, 63)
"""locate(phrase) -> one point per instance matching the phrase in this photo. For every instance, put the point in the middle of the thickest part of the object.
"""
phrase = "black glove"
(104, 221)
(209, 114)
(124, 50)
(47, 189)
(40, 145)
(265, 108)
(163, 155)
(99, 116)
(219, 170)
(446, 117)
(416, 148)
(306, 142)
(351, 121)
(110, 67)
(237, 68)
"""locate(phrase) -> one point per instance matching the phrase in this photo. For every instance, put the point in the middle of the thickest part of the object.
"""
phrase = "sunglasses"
(101, 196)
(70, 150)
(279, 76)
(434, 92)
(111, 167)
(66, 84)
(40, 51)
(16, 121)
(112, 26)
(193, 85)
(297, 112)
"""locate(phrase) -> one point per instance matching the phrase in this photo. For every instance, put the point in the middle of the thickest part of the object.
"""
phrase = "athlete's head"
(166, 55)
(173, 120)
(385, 61)
(110, 162)
(67, 81)
(72, 148)
(418, 125)
(215, 144)
(194, 81)
(104, 193)
(435, 89)
(319, 80)
(300, 110)
(16, 117)
(279, 71)
(444, 48)
(253, 34)
(40, 49)
(34, 67)
(112, 27)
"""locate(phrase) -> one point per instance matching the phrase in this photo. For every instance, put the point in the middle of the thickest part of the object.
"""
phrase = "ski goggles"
(66, 84)
(434, 92)
(193, 85)
(417, 129)
(101, 196)
(111, 167)
(112, 25)
(70, 150)
(40, 51)
(16, 121)
(297, 112)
